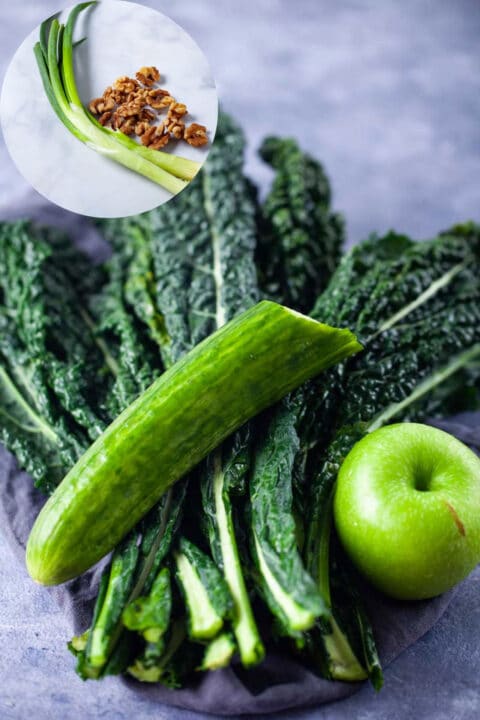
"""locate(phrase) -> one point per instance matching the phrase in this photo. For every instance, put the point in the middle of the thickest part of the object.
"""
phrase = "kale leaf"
(301, 239)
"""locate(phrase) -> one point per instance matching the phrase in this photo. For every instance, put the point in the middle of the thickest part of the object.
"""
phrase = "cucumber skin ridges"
(244, 367)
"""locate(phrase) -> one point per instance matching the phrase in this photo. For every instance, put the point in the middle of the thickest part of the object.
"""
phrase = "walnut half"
(101, 105)
(148, 76)
(196, 135)
(125, 84)
(155, 137)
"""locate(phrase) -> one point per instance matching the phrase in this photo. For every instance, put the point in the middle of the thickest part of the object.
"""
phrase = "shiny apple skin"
(407, 510)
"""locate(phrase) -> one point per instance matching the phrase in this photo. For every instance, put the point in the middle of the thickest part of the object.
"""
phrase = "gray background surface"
(388, 95)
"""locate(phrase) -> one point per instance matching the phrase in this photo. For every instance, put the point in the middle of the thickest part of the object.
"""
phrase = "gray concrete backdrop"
(387, 94)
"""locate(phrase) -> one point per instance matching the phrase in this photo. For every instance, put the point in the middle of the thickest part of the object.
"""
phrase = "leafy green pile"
(248, 535)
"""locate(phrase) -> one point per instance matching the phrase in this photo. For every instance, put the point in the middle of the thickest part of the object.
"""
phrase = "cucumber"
(238, 371)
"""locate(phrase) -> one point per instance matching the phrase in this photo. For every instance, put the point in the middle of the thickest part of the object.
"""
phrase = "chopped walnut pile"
(132, 105)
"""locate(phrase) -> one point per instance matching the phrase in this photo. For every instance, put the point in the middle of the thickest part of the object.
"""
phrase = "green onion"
(54, 55)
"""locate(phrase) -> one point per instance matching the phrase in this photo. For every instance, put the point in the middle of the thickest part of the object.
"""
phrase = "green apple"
(407, 509)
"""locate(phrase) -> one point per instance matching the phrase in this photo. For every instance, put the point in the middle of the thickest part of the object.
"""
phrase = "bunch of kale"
(248, 534)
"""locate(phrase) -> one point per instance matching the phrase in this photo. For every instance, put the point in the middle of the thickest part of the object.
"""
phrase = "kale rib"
(29, 435)
(218, 652)
(218, 482)
(131, 576)
(161, 663)
(438, 377)
(207, 598)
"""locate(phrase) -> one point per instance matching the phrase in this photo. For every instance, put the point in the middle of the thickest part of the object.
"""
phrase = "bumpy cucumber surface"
(238, 371)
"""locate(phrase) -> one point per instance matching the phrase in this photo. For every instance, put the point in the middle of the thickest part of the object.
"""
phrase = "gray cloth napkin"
(280, 682)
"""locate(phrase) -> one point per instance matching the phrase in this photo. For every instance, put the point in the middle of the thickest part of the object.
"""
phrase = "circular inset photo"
(109, 108)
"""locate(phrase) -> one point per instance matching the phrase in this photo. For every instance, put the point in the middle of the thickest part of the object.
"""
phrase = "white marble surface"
(121, 38)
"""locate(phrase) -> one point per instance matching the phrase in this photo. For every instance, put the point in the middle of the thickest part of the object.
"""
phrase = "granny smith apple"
(407, 509)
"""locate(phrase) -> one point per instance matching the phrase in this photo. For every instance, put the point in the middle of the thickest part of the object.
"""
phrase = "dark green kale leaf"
(301, 239)
(359, 270)
(54, 373)
(157, 273)
(135, 359)
(36, 444)
(288, 589)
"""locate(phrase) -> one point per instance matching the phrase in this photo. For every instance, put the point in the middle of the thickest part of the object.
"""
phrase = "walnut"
(109, 94)
(178, 130)
(126, 126)
(160, 142)
(140, 94)
(155, 137)
(177, 109)
(175, 126)
(149, 135)
(141, 127)
(131, 109)
(97, 106)
(116, 120)
(119, 96)
(146, 114)
(125, 84)
(105, 118)
(155, 97)
(148, 75)
(196, 135)
(156, 93)
(161, 102)
(123, 123)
